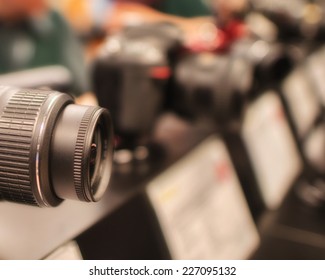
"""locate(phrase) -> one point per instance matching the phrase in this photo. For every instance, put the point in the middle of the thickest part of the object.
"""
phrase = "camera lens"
(52, 149)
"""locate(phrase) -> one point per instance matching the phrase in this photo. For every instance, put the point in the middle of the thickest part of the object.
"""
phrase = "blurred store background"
(218, 111)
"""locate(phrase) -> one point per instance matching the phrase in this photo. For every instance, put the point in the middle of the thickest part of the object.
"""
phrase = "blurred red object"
(221, 40)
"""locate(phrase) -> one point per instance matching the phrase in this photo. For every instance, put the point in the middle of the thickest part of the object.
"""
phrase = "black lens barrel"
(71, 153)
(36, 165)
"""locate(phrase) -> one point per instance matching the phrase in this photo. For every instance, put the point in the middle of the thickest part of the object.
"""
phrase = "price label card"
(271, 147)
(314, 148)
(316, 71)
(303, 103)
(201, 208)
(69, 251)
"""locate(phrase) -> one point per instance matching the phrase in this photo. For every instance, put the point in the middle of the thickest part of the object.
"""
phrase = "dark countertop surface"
(295, 231)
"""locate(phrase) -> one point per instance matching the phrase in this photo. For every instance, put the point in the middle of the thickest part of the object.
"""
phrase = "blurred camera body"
(146, 69)
(211, 86)
(130, 78)
(296, 20)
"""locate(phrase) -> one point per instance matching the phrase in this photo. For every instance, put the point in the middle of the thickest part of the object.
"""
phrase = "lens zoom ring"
(79, 157)
(16, 132)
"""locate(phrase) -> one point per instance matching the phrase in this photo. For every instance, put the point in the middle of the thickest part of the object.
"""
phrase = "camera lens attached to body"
(52, 149)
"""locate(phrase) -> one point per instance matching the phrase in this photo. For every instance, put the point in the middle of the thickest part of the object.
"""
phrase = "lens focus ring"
(17, 124)
(79, 156)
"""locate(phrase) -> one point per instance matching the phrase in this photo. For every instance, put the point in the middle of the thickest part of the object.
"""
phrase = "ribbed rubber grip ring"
(17, 124)
(80, 157)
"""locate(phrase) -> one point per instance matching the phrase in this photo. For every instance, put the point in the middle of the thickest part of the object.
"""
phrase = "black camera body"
(211, 86)
(271, 62)
(130, 77)
(296, 20)
(144, 70)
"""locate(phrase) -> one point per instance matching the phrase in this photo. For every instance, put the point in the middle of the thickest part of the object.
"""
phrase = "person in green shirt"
(185, 8)
(32, 35)
(182, 8)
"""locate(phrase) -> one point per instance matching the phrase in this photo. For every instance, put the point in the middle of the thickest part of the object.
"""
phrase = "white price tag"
(302, 101)
(69, 251)
(201, 209)
(271, 147)
(316, 70)
(314, 148)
